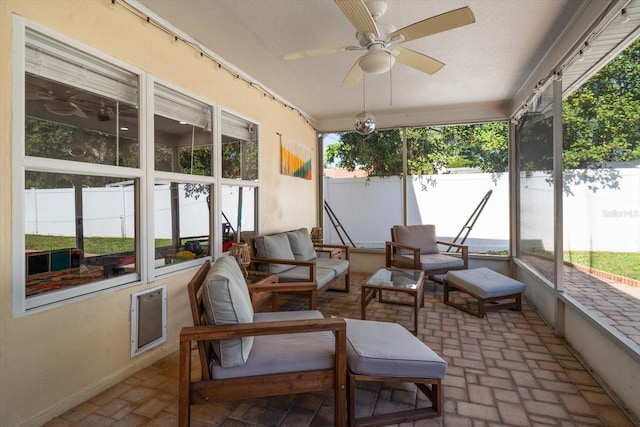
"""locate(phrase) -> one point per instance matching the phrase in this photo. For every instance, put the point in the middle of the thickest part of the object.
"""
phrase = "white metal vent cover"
(148, 319)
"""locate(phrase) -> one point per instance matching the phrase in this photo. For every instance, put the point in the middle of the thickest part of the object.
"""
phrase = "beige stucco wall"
(53, 359)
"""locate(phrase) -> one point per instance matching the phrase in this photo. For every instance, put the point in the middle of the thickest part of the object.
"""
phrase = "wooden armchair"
(416, 247)
(245, 355)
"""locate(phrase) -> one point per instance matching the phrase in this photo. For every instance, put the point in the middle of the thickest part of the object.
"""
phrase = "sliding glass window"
(239, 194)
(183, 159)
(81, 173)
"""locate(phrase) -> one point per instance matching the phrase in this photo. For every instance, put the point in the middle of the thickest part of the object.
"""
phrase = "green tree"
(62, 141)
(601, 120)
(378, 153)
(601, 123)
(430, 149)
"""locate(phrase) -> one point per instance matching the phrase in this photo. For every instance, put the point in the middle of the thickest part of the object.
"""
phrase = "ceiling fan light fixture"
(103, 115)
(624, 16)
(376, 62)
(364, 123)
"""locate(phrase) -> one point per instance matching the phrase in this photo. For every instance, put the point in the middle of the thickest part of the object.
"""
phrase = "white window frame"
(22, 163)
(181, 178)
(231, 181)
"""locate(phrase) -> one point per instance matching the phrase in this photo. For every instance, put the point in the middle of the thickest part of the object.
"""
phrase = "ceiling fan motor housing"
(376, 61)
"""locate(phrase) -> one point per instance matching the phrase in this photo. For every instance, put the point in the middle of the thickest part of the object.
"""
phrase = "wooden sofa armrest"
(463, 248)
(274, 288)
(310, 264)
(342, 248)
(215, 332)
(391, 249)
(282, 287)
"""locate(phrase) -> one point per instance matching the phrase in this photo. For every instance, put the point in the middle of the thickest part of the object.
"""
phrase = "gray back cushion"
(275, 246)
(417, 236)
(301, 244)
(227, 302)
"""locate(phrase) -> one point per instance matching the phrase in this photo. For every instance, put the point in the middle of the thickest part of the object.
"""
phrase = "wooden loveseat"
(294, 257)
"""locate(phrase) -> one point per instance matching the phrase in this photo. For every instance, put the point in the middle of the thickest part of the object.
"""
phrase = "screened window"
(456, 179)
(534, 144)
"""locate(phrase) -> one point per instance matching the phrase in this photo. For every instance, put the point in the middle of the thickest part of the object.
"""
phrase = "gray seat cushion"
(339, 266)
(389, 350)
(484, 283)
(440, 261)
(434, 261)
(226, 302)
(301, 274)
(273, 354)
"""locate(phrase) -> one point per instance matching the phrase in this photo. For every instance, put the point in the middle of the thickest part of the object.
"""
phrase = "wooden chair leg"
(184, 408)
(481, 308)
(313, 300)
(351, 400)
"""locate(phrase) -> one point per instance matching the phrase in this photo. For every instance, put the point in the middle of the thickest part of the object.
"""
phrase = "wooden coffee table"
(396, 280)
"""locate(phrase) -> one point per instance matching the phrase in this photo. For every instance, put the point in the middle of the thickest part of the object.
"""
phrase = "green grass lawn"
(625, 264)
(92, 245)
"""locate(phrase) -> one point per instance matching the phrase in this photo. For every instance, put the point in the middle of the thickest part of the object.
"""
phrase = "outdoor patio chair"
(416, 247)
(246, 355)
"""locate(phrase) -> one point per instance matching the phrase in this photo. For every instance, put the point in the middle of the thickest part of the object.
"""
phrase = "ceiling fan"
(62, 100)
(53, 100)
(381, 40)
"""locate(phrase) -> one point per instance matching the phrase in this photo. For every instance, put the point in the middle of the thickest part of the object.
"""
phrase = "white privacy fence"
(598, 217)
(109, 211)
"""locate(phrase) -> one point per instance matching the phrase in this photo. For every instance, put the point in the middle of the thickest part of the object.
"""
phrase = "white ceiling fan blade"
(353, 76)
(436, 24)
(417, 60)
(356, 11)
(320, 51)
(78, 111)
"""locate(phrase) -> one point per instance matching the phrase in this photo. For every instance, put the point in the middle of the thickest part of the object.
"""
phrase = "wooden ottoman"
(387, 352)
(493, 291)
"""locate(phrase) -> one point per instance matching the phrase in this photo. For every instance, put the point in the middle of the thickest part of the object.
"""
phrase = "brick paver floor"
(507, 369)
(616, 304)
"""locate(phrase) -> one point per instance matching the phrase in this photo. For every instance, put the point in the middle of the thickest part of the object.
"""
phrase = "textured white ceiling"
(489, 64)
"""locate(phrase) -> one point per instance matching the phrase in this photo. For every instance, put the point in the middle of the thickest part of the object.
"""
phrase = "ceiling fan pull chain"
(364, 92)
(193, 144)
(390, 83)
(117, 133)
